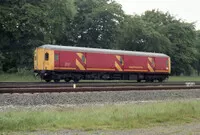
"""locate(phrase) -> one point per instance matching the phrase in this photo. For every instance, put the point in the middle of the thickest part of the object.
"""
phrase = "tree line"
(27, 24)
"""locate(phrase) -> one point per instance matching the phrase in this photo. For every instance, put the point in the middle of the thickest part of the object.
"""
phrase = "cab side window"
(121, 61)
(153, 63)
(46, 56)
(56, 57)
(83, 58)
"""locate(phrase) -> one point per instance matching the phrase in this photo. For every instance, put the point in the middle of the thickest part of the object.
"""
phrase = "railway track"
(88, 84)
(38, 87)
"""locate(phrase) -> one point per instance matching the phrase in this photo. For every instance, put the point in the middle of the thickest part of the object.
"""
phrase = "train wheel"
(147, 80)
(76, 80)
(160, 80)
(56, 80)
(138, 80)
(48, 80)
(67, 79)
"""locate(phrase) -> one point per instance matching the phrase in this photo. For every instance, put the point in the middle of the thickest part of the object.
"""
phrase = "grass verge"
(18, 77)
(183, 78)
(105, 117)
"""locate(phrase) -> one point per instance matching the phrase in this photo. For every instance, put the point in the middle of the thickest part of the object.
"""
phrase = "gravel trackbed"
(94, 97)
(48, 100)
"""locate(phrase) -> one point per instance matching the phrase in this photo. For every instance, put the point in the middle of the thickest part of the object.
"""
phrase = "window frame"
(83, 59)
(46, 56)
(56, 58)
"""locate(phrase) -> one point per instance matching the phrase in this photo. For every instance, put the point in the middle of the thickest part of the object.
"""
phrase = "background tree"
(139, 35)
(182, 36)
(96, 23)
(59, 17)
(26, 24)
(196, 64)
(155, 31)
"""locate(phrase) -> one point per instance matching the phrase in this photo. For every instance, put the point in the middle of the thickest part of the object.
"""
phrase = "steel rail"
(88, 84)
(93, 89)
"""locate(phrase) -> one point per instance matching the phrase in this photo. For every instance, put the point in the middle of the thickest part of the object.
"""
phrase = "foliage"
(183, 55)
(26, 24)
(22, 75)
(156, 31)
(197, 51)
(95, 23)
(137, 34)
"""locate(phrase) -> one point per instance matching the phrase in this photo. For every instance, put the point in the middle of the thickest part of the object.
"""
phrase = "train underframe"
(56, 76)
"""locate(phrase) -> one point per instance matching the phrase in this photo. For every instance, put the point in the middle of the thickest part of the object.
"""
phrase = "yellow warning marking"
(79, 65)
(118, 57)
(150, 68)
(169, 64)
(117, 66)
(150, 59)
(80, 55)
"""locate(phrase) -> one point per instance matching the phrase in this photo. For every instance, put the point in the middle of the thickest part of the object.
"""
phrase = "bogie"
(76, 77)
(48, 80)
(67, 79)
(56, 80)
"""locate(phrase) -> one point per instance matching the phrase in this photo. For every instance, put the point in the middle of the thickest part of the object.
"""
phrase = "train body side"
(67, 60)
(54, 64)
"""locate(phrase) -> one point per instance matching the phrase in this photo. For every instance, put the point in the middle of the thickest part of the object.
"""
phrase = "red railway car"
(53, 62)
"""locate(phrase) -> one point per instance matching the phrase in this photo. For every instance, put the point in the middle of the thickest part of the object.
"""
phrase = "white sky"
(187, 10)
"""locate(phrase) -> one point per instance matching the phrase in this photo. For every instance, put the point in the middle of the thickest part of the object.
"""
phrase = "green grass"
(105, 117)
(183, 78)
(18, 77)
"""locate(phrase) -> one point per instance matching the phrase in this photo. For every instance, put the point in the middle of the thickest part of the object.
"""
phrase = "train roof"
(98, 50)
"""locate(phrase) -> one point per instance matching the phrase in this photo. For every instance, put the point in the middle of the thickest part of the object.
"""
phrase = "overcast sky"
(187, 10)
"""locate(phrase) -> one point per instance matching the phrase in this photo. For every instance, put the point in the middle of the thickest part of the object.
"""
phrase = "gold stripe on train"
(118, 66)
(79, 65)
(150, 68)
(118, 57)
(80, 55)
